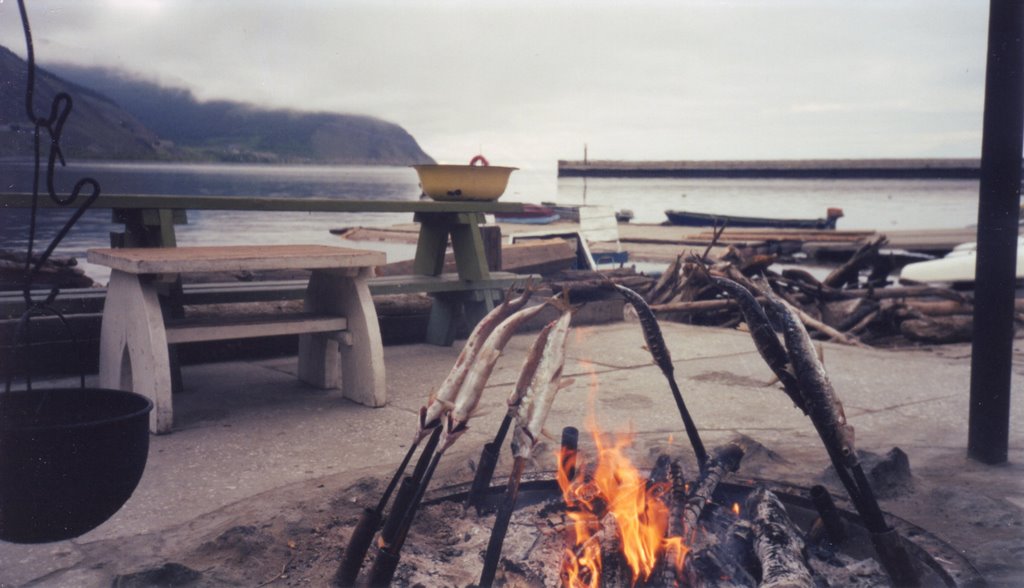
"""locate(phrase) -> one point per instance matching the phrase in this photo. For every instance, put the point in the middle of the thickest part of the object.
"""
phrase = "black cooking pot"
(69, 459)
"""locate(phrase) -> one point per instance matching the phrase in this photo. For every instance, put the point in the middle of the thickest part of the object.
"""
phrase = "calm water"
(868, 204)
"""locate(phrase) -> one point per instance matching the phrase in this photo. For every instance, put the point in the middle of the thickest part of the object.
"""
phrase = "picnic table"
(149, 221)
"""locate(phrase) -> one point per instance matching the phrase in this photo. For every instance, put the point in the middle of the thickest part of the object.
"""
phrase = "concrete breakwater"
(950, 168)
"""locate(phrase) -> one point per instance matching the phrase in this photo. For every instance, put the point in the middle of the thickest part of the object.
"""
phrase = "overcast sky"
(529, 82)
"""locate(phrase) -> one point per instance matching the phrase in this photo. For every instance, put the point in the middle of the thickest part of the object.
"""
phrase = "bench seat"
(246, 326)
(339, 336)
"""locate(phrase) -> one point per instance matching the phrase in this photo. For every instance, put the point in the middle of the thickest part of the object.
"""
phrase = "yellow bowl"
(464, 182)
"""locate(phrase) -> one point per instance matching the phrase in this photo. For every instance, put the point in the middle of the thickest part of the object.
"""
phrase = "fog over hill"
(120, 116)
(97, 128)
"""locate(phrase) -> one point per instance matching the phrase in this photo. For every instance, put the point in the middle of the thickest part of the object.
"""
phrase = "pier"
(866, 169)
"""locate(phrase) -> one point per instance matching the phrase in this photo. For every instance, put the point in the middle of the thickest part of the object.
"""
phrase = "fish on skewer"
(443, 400)
(472, 387)
(489, 454)
(826, 412)
(457, 416)
(659, 352)
(821, 402)
(530, 419)
(430, 419)
(765, 339)
(545, 384)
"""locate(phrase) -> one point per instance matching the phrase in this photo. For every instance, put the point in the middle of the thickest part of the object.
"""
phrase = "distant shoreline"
(945, 169)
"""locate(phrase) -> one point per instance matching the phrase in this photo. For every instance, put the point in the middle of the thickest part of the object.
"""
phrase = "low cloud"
(535, 80)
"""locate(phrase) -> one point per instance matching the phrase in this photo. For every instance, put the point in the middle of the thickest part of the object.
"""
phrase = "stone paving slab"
(247, 429)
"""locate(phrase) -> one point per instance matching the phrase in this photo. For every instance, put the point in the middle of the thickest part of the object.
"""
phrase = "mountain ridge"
(133, 119)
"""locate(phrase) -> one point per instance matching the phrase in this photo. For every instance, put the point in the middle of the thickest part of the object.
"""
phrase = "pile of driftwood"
(855, 304)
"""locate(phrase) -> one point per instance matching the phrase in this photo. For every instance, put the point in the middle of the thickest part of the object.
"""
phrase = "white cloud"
(535, 80)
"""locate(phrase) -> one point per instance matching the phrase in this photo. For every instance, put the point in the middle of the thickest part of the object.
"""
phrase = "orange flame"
(615, 488)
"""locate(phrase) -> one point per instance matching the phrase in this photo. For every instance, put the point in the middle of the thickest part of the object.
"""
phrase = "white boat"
(957, 266)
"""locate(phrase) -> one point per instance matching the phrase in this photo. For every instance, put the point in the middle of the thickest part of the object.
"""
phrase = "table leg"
(361, 363)
(430, 246)
(133, 346)
(468, 247)
(470, 260)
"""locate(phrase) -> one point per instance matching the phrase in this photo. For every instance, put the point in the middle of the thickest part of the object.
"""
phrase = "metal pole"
(998, 213)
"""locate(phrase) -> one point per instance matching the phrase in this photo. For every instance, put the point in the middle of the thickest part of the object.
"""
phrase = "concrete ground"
(251, 441)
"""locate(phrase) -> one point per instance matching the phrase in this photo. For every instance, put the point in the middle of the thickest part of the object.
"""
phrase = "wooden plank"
(442, 283)
(159, 260)
(385, 235)
(540, 256)
(224, 327)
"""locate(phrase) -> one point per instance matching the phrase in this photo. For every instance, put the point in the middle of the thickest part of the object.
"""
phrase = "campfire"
(602, 520)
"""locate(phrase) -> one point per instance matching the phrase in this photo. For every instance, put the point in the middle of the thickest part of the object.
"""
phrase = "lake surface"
(868, 204)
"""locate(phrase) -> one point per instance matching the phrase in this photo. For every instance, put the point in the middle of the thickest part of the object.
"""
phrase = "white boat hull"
(958, 266)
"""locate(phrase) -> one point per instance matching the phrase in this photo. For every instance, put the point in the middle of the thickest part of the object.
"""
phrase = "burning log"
(711, 567)
(777, 543)
(726, 460)
(738, 548)
(676, 526)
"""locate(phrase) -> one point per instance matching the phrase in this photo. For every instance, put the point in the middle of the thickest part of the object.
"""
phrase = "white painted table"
(338, 318)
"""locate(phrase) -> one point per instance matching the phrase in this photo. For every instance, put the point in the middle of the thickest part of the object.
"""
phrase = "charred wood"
(710, 567)
(738, 546)
(661, 473)
(777, 543)
(829, 525)
(724, 460)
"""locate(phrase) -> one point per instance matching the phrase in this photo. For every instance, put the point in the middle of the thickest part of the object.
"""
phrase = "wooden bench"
(338, 317)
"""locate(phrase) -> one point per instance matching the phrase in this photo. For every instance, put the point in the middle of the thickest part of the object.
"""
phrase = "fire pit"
(601, 522)
(446, 546)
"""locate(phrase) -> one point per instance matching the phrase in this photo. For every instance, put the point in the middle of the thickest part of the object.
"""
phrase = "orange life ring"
(479, 159)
